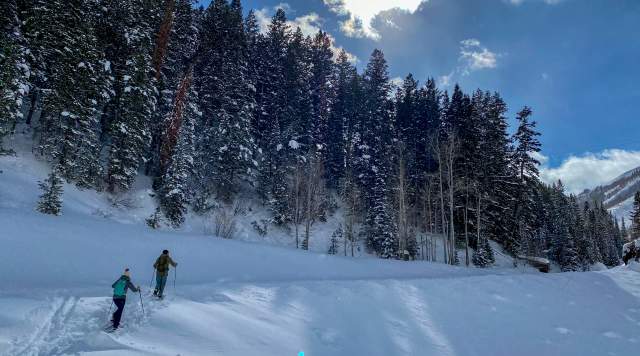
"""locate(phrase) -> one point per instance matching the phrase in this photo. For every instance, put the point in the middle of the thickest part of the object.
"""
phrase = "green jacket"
(128, 286)
(162, 265)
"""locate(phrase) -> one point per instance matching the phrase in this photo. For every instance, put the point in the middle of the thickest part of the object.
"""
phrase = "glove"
(176, 264)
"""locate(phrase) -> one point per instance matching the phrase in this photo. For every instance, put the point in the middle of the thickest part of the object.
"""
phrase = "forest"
(213, 109)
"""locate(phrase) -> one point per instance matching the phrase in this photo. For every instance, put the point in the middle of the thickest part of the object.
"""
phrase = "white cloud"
(362, 12)
(445, 80)
(475, 56)
(590, 169)
(309, 24)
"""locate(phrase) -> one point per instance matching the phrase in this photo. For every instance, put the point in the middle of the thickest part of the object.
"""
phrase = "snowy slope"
(238, 298)
(617, 195)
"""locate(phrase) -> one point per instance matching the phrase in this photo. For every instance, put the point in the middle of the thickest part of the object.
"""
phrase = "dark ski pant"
(161, 281)
(119, 302)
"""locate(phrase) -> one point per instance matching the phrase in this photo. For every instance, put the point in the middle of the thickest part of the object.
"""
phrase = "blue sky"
(575, 62)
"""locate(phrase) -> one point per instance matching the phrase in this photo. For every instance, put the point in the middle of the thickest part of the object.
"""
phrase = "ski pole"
(110, 307)
(152, 278)
(175, 276)
(141, 303)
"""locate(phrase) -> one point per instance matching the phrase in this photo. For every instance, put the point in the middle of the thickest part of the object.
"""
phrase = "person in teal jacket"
(120, 288)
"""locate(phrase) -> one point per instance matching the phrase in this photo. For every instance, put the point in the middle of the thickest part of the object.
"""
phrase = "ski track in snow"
(75, 325)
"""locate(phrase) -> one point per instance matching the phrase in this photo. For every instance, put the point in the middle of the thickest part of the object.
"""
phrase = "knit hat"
(165, 252)
(126, 272)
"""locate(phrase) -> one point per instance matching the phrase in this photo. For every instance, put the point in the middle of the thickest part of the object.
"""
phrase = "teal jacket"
(128, 285)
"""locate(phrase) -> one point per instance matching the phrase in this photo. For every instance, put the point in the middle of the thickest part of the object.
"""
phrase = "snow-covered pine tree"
(334, 243)
(130, 132)
(407, 120)
(271, 100)
(172, 62)
(578, 230)
(298, 116)
(496, 165)
(51, 199)
(570, 261)
(322, 69)
(234, 148)
(176, 189)
(227, 146)
(14, 70)
(635, 218)
(594, 235)
(483, 255)
(624, 233)
(336, 131)
(380, 230)
(128, 31)
(526, 173)
(76, 83)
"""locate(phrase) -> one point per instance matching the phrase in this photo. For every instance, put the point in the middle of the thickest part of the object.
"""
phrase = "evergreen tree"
(526, 175)
(635, 217)
(380, 230)
(14, 70)
(483, 255)
(51, 199)
(173, 62)
(334, 243)
(231, 146)
(176, 190)
(271, 101)
(336, 131)
(322, 71)
(77, 85)
(131, 130)
(497, 183)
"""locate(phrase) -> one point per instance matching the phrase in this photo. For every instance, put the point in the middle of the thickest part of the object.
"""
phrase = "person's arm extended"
(132, 287)
(174, 264)
(155, 265)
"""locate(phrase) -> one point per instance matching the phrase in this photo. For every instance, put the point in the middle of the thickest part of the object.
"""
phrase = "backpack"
(163, 264)
(120, 290)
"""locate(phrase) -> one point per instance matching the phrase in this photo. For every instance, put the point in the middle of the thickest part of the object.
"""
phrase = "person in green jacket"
(120, 288)
(162, 272)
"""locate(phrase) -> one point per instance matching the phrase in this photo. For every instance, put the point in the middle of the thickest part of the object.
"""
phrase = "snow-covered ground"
(236, 298)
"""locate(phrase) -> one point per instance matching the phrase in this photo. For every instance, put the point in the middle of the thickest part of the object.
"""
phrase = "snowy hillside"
(237, 298)
(617, 195)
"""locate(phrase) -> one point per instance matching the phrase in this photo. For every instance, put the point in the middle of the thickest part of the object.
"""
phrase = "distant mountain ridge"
(617, 195)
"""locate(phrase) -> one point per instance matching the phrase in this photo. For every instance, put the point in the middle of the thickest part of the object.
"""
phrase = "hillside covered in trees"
(212, 109)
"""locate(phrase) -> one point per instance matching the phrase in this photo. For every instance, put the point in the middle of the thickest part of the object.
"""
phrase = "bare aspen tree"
(428, 216)
(478, 215)
(314, 191)
(297, 199)
(350, 196)
(451, 148)
(466, 225)
(401, 196)
(446, 152)
(439, 154)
